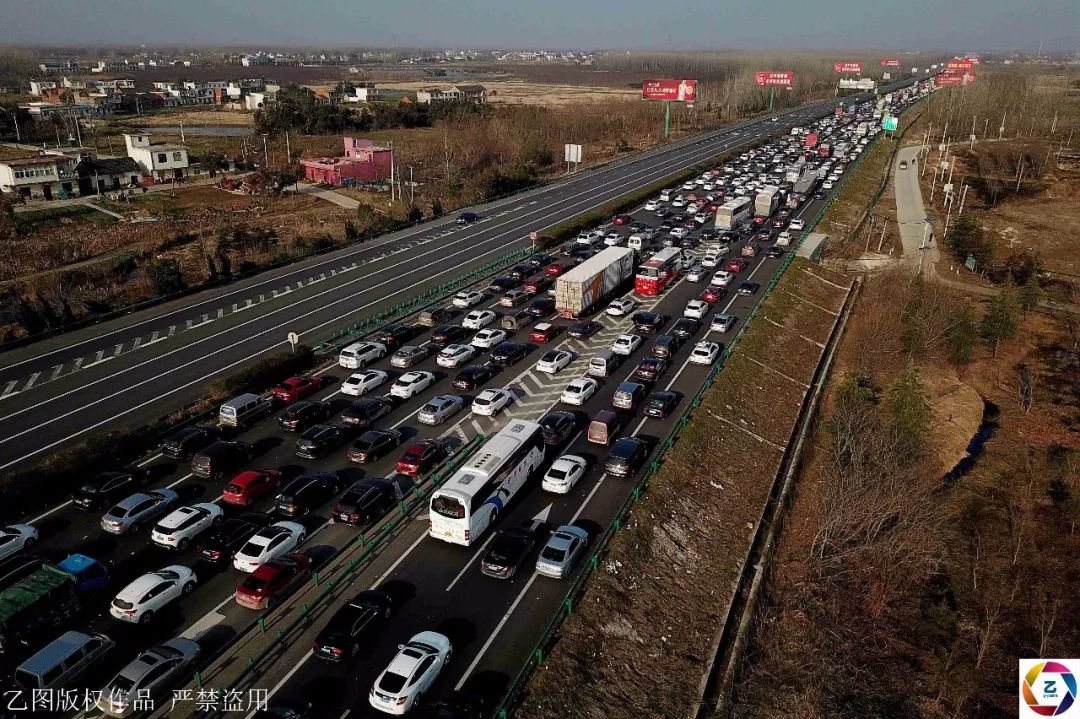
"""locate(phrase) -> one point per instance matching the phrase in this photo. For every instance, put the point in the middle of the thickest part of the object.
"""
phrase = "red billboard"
(959, 65)
(847, 66)
(767, 78)
(953, 78)
(674, 90)
(890, 62)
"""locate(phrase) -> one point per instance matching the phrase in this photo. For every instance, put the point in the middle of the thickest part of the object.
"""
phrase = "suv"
(626, 457)
(186, 441)
(363, 413)
(365, 502)
(306, 493)
(221, 458)
(373, 444)
(395, 334)
(320, 439)
(305, 413)
(446, 334)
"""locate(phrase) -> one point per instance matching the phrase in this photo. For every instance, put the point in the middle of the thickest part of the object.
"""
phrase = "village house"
(363, 162)
(98, 175)
(455, 93)
(160, 161)
(44, 177)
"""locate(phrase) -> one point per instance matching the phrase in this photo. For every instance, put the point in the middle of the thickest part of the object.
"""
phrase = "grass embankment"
(641, 637)
(33, 220)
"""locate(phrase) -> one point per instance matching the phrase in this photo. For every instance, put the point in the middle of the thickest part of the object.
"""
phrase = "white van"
(665, 195)
(243, 410)
(603, 363)
(635, 242)
(61, 662)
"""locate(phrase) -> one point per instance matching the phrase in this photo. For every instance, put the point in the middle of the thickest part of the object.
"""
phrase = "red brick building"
(363, 162)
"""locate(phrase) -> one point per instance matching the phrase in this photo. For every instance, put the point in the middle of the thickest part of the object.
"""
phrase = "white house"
(39, 86)
(159, 160)
(366, 92)
(45, 177)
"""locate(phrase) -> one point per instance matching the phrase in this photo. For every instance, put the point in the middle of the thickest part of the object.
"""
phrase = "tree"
(7, 216)
(909, 411)
(436, 208)
(1030, 294)
(967, 237)
(415, 214)
(961, 337)
(1002, 319)
(166, 277)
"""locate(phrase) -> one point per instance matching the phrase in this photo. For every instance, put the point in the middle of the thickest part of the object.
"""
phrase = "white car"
(652, 205)
(178, 528)
(411, 673)
(679, 201)
(150, 593)
(696, 309)
(620, 307)
(360, 354)
(362, 382)
(784, 239)
(702, 217)
(467, 299)
(554, 360)
(492, 401)
(695, 274)
(478, 319)
(563, 474)
(408, 384)
(486, 339)
(452, 356)
(578, 391)
(710, 260)
(269, 543)
(613, 239)
(721, 322)
(827, 185)
(723, 278)
(705, 352)
(15, 538)
(626, 344)
(679, 233)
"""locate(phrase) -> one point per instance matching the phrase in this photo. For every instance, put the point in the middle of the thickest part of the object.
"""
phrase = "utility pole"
(1053, 125)
(882, 239)
(182, 139)
(869, 234)
(412, 186)
(1001, 127)
(1020, 174)
(933, 185)
(986, 124)
(288, 148)
(971, 146)
(266, 153)
(963, 197)
(15, 117)
(392, 163)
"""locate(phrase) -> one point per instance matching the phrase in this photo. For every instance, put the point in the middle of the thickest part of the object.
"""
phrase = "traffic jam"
(573, 365)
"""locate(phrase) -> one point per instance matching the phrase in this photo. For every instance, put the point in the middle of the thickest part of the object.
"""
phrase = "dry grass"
(192, 117)
(521, 92)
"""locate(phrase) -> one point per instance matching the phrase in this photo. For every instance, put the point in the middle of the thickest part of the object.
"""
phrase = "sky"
(950, 26)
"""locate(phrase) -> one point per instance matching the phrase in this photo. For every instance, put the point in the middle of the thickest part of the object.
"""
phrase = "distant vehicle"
(408, 356)
(554, 360)
(360, 354)
(373, 444)
(362, 382)
(411, 383)
(305, 493)
(467, 218)
(722, 322)
(492, 401)
(705, 353)
(626, 344)
(475, 375)
(544, 332)
(626, 457)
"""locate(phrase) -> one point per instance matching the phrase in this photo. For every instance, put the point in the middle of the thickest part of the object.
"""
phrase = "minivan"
(61, 662)
(628, 395)
(245, 409)
(603, 363)
(606, 426)
(433, 316)
(635, 242)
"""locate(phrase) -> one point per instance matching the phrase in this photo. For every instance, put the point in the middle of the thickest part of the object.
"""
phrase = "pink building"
(363, 162)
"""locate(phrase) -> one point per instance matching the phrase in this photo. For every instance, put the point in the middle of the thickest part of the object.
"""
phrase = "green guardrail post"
(401, 506)
(617, 524)
(198, 680)
(305, 609)
(315, 578)
(539, 654)
(569, 603)
(280, 635)
(262, 625)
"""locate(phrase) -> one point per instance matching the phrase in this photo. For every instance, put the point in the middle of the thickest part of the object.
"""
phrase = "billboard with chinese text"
(673, 90)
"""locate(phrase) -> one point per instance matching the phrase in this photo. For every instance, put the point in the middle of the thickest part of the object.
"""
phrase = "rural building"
(363, 162)
(365, 92)
(45, 177)
(159, 160)
(37, 87)
(104, 174)
(454, 93)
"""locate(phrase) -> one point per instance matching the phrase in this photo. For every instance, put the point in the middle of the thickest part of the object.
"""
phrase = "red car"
(544, 332)
(736, 264)
(421, 457)
(556, 268)
(246, 487)
(712, 207)
(296, 388)
(271, 581)
(712, 293)
(620, 219)
(760, 219)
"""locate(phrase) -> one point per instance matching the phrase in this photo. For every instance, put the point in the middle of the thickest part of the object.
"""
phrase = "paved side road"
(306, 188)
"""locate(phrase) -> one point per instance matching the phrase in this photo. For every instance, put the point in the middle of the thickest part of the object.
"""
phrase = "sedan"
(373, 444)
(510, 547)
(723, 278)
(475, 375)
(696, 274)
(243, 489)
(186, 441)
(265, 587)
(356, 621)
(411, 383)
(365, 502)
(626, 344)
(797, 225)
(659, 404)
(738, 264)
(507, 353)
(272, 542)
(107, 487)
(578, 391)
(139, 601)
(304, 414)
(180, 526)
(627, 456)
(478, 319)
(421, 457)
(747, 288)
(15, 538)
(652, 206)
(363, 413)
(554, 360)
(774, 252)
(544, 332)
(408, 356)
(492, 401)
(563, 474)
(321, 439)
(439, 409)
(363, 382)
(650, 369)
(558, 427)
(149, 676)
(686, 327)
(666, 345)
(649, 321)
(467, 218)
(696, 309)
(581, 330)
(710, 260)
(564, 548)
(621, 306)
(467, 299)
(131, 513)
(713, 293)
(411, 673)
(705, 353)
(722, 322)
(453, 356)
(486, 339)
(306, 493)
(396, 334)
(297, 388)
(446, 334)
(541, 307)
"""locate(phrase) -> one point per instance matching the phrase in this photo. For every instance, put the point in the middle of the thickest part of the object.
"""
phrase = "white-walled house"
(159, 160)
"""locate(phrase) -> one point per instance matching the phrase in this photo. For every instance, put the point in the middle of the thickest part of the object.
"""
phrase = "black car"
(395, 334)
(685, 328)
(648, 321)
(660, 404)
(774, 252)
(747, 288)
(539, 261)
(709, 234)
(304, 414)
(305, 493)
(467, 218)
(665, 346)
(363, 413)
(520, 272)
(501, 285)
(541, 307)
(320, 439)
(650, 369)
(108, 488)
(728, 237)
(373, 444)
(507, 353)
(661, 212)
(819, 195)
(366, 501)
(475, 375)
(626, 457)
(510, 547)
(186, 441)
(461, 705)
(362, 615)
(558, 427)
(447, 335)
(221, 458)
(581, 330)
(221, 542)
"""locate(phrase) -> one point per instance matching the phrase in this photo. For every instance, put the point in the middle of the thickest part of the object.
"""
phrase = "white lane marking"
(471, 560)
(399, 560)
(494, 634)
(281, 683)
(31, 381)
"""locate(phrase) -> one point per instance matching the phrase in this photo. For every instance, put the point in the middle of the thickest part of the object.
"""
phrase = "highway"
(131, 370)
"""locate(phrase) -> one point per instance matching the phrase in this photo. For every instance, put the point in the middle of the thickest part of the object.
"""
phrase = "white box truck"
(767, 200)
(593, 281)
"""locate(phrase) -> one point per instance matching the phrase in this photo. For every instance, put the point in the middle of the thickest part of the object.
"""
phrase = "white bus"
(466, 505)
(732, 212)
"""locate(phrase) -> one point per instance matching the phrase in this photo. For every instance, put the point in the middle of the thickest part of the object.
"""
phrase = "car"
(395, 334)
(106, 488)
(133, 512)
(620, 307)
(554, 360)
(365, 502)
(140, 600)
(439, 409)
(411, 383)
(557, 268)
(564, 548)
(539, 283)
(626, 456)
(652, 206)
(270, 582)
(360, 354)
(648, 321)
(579, 390)
(149, 676)
(827, 185)
(360, 383)
(355, 621)
(778, 224)
(478, 319)
(539, 261)
(581, 330)
(544, 332)
(186, 441)
(363, 413)
(373, 444)
(269, 543)
(492, 401)
(304, 414)
(620, 219)
(613, 239)
(455, 355)
(297, 388)
(306, 493)
(558, 427)
(661, 212)
(705, 353)
(467, 298)
(488, 338)
(467, 218)
(650, 369)
(665, 346)
(819, 195)
(747, 288)
(421, 457)
(15, 538)
(499, 285)
(626, 344)
(446, 334)
(696, 309)
(514, 298)
(408, 356)
(181, 525)
(774, 252)
(510, 547)
(722, 322)
(713, 293)
(686, 327)
(723, 278)
(507, 353)
(541, 307)
(563, 474)
(797, 224)
(318, 440)
(737, 264)
(659, 404)
(784, 239)
(520, 271)
(410, 673)
(475, 375)
(243, 489)
(218, 544)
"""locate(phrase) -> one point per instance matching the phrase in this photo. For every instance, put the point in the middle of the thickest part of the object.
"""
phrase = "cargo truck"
(37, 596)
(767, 200)
(593, 281)
(810, 140)
(806, 183)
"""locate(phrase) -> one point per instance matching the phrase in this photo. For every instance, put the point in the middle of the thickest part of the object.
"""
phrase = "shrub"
(266, 372)
(166, 277)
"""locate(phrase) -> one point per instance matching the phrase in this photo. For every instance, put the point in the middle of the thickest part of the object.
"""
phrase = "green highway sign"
(970, 263)
(888, 123)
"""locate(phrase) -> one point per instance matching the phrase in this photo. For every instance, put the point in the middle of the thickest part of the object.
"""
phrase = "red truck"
(811, 139)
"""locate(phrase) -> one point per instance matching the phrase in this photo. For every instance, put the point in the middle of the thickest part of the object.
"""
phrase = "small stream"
(987, 427)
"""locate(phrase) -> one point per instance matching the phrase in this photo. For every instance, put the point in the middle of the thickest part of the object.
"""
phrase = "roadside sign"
(970, 262)
(534, 236)
(294, 339)
(888, 123)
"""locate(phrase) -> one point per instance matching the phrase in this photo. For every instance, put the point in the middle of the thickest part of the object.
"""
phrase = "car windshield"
(448, 507)
(553, 554)
(556, 473)
(391, 682)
